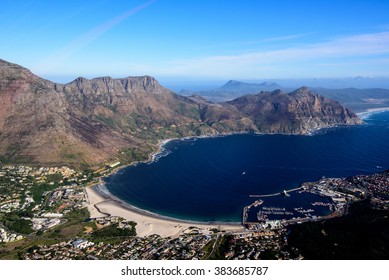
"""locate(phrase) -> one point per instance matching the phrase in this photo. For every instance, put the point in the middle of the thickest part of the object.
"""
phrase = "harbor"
(309, 202)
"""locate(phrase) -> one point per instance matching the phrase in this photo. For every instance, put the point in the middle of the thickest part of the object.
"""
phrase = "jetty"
(284, 192)
(245, 210)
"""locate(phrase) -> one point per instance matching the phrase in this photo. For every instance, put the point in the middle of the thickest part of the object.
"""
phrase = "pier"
(245, 210)
(275, 194)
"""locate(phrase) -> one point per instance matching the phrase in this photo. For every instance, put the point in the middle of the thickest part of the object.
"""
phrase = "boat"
(284, 193)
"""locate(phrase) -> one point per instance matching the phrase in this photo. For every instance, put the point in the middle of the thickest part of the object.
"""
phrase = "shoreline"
(371, 111)
(102, 191)
(103, 204)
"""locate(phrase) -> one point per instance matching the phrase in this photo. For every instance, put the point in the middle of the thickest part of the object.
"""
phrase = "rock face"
(87, 122)
(298, 112)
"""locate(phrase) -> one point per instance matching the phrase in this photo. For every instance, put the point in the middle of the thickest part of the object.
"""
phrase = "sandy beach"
(377, 110)
(99, 206)
(371, 111)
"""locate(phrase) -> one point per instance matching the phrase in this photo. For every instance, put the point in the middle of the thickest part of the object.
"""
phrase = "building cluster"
(350, 189)
(44, 223)
(6, 236)
(375, 186)
(129, 248)
(253, 246)
(19, 184)
(66, 198)
(328, 187)
(14, 181)
(266, 244)
(107, 221)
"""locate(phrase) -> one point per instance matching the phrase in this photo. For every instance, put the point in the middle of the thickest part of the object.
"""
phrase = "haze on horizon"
(199, 42)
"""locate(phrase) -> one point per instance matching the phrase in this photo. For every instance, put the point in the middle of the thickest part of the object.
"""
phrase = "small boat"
(243, 173)
(285, 193)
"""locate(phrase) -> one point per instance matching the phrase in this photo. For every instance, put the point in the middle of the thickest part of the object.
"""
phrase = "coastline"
(369, 112)
(104, 204)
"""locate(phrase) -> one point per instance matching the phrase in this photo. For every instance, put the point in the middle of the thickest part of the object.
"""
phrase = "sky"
(197, 41)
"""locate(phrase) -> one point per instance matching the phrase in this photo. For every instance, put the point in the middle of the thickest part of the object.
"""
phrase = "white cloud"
(287, 37)
(251, 64)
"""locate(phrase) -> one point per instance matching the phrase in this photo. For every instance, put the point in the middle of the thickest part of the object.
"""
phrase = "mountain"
(297, 112)
(237, 86)
(356, 99)
(233, 89)
(87, 122)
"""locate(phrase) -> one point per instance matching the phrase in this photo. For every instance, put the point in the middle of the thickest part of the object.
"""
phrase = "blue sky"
(197, 40)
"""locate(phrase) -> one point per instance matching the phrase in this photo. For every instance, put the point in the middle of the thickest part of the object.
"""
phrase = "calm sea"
(210, 179)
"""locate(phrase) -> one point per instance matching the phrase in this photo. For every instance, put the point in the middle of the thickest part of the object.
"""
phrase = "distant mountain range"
(85, 123)
(233, 89)
(353, 98)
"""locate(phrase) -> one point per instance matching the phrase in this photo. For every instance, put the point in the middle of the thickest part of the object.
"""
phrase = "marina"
(262, 214)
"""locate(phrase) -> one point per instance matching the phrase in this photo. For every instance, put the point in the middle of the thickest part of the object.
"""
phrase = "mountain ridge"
(90, 121)
(357, 99)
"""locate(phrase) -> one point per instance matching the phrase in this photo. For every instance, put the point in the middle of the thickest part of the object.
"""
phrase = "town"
(190, 246)
(43, 216)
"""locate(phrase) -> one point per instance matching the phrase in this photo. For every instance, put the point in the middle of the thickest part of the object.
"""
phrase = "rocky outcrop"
(298, 112)
(90, 121)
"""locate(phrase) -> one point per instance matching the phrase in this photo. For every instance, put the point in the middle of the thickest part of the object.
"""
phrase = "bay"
(210, 179)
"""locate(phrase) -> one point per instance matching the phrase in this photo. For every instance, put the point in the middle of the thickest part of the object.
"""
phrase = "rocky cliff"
(298, 112)
(87, 122)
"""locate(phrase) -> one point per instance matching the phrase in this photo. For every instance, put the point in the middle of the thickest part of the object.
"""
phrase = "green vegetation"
(4, 159)
(129, 155)
(208, 249)
(113, 231)
(219, 249)
(56, 178)
(110, 122)
(16, 223)
(39, 188)
(69, 156)
(11, 251)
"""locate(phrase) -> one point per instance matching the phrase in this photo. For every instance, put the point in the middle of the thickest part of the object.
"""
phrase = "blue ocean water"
(210, 179)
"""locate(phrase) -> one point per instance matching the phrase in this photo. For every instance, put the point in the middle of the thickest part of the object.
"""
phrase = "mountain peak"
(302, 91)
(277, 91)
(248, 88)
(231, 83)
(80, 79)
(304, 88)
